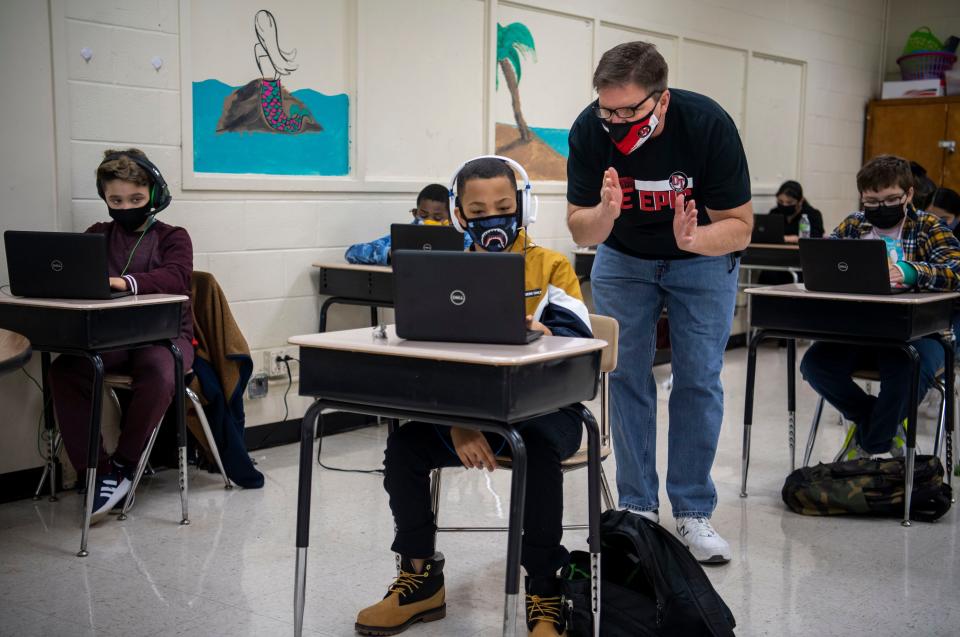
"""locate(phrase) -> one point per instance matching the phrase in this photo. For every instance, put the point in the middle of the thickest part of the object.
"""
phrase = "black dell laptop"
(59, 265)
(768, 229)
(460, 297)
(407, 236)
(854, 266)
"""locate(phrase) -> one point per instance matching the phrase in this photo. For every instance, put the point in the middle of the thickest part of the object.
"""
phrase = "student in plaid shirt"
(923, 254)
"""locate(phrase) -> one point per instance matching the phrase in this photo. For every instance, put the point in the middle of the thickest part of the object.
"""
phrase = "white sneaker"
(653, 516)
(704, 542)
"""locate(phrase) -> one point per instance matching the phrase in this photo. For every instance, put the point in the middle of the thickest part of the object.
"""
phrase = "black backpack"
(650, 585)
(868, 487)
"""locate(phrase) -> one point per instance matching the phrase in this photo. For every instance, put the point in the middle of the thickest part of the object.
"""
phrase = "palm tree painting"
(524, 144)
(514, 42)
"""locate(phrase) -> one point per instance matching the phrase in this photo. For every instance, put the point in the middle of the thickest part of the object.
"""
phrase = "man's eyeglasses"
(624, 112)
(892, 200)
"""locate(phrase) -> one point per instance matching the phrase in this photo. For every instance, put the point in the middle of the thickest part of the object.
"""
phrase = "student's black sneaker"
(110, 489)
(546, 611)
(413, 597)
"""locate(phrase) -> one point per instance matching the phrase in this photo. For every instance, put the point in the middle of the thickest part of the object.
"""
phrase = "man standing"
(658, 177)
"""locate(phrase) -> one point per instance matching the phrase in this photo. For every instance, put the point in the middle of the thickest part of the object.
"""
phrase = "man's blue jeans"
(699, 294)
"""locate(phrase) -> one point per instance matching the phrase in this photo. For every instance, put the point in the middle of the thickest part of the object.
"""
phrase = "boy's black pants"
(416, 448)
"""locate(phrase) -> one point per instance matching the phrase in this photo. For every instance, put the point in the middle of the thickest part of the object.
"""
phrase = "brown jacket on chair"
(218, 341)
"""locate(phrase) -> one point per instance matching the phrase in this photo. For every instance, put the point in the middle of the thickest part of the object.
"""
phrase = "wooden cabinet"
(926, 130)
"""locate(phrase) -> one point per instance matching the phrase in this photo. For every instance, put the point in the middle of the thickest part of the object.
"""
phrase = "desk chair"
(113, 382)
(604, 328)
(15, 351)
(943, 438)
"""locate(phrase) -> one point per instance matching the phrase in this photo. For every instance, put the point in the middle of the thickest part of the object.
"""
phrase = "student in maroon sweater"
(145, 256)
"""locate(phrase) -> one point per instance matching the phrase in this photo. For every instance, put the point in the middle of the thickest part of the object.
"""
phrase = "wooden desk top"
(797, 290)
(362, 340)
(94, 304)
(353, 266)
(774, 246)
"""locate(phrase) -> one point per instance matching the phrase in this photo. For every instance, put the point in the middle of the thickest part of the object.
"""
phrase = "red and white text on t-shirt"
(651, 196)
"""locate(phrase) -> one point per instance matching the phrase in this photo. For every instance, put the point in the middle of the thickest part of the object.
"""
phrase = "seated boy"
(145, 256)
(927, 257)
(487, 208)
(946, 205)
(433, 209)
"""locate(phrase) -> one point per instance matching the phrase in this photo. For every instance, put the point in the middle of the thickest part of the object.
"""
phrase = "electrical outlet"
(258, 385)
(272, 362)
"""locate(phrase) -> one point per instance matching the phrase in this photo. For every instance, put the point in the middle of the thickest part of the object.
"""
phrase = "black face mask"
(130, 218)
(883, 216)
(786, 210)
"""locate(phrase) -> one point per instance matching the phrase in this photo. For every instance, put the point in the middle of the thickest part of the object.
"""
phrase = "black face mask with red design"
(629, 136)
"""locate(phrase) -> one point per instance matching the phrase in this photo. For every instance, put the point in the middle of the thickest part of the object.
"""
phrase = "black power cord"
(286, 414)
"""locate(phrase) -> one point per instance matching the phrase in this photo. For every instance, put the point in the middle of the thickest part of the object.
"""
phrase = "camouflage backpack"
(868, 487)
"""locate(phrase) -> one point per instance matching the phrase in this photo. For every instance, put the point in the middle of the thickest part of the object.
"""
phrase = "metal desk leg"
(518, 489)
(948, 341)
(307, 428)
(911, 430)
(593, 512)
(50, 468)
(93, 448)
(748, 408)
(179, 393)
(323, 313)
(792, 400)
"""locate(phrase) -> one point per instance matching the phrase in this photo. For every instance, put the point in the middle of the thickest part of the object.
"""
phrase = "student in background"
(927, 258)
(487, 207)
(923, 186)
(793, 205)
(433, 209)
(946, 205)
(145, 256)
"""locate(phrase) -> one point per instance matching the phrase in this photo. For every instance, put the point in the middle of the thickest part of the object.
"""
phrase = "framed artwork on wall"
(266, 94)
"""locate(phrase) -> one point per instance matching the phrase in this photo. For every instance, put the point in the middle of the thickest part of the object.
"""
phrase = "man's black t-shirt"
(699, 152)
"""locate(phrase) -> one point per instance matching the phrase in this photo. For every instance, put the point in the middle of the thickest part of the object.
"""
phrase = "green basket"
(922, 39)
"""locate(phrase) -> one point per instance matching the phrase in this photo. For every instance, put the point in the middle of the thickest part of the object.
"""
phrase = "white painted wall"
(422, 106)
(942, 16)
(27, 190)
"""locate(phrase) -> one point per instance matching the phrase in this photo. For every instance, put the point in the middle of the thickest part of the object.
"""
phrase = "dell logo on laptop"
(427, 246)
(842, 266)
(457, 297)
(56, 265)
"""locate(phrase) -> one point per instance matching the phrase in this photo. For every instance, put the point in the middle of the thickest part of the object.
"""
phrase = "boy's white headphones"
(527, 202)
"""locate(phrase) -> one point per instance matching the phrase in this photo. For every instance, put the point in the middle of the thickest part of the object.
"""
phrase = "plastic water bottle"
(804, 226)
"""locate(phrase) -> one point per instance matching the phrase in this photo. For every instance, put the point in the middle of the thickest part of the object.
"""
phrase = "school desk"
(88, 328)
(583, 262)
(379, 374)
(792, 312)
(354, 284)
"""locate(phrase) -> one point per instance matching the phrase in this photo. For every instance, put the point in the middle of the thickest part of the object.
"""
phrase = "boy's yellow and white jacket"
(552, 289)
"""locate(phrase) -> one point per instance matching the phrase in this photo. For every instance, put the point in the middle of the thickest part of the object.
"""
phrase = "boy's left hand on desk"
(537, 325)
(896, 276)
(118, 283)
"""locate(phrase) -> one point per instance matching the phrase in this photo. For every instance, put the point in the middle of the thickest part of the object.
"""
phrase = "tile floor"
(231, 571)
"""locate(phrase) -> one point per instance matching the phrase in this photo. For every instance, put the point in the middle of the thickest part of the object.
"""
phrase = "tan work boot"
(546, 615)
(413, 597)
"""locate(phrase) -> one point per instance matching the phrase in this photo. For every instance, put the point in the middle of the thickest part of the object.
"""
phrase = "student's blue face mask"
(494, 234)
